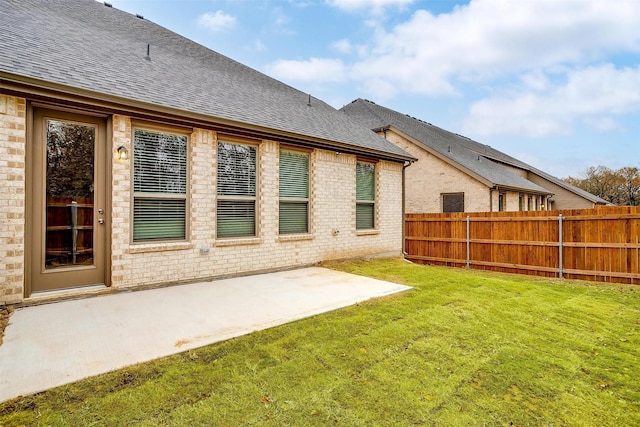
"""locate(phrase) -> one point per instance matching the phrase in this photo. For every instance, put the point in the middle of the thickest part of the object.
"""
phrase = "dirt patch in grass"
(5, 312)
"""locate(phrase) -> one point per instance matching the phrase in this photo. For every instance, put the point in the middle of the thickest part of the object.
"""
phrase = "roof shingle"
(481, 159)
(86, 45)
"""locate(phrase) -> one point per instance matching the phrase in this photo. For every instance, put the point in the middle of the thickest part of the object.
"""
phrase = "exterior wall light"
(123, 153)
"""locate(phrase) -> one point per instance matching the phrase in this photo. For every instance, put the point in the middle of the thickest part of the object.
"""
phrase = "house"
(131, 156)
(457, 174)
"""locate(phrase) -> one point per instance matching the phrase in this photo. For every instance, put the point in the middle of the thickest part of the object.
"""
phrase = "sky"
(554, 83)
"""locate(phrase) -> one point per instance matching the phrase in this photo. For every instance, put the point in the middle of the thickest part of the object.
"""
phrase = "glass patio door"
(68, 201)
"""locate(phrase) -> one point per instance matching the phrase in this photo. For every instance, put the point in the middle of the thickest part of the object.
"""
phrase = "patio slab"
(54, 344)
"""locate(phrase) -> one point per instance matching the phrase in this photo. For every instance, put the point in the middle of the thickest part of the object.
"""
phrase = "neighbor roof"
(480, 159)
(90, 46)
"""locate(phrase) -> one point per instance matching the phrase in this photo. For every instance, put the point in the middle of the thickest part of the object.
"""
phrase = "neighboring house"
(457, 174)
(131, 156)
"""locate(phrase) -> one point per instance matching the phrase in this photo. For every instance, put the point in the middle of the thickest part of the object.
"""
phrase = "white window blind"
(294, 192)
(159, 185)
(365, 195)
(236, 207)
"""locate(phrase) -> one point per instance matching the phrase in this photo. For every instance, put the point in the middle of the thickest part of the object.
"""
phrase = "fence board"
(601, 244)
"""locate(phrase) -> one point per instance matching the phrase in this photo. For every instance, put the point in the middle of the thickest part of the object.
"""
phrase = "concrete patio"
(54, 344)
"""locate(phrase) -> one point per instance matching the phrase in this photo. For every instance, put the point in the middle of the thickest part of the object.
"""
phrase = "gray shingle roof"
(86, 45)
(461, 150)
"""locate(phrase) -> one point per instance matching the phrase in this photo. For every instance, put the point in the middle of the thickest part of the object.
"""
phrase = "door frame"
(30, 255)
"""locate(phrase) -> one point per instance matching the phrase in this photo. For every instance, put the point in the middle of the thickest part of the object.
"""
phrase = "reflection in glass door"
(67, 214)
(69, 194)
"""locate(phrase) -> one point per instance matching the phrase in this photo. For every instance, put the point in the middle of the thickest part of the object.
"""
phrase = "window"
(501, 201)
(453, 202)
(159, 185)
(365, 195)
(521, 202)
(294, 192)
(236, 213)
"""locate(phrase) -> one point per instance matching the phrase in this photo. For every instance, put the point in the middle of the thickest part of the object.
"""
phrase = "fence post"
(560, 243)
(468, 242)
(74, 230)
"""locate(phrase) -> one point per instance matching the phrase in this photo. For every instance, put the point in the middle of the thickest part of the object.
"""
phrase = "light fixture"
(123, 153)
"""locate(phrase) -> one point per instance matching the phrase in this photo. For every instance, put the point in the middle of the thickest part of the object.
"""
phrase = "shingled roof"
(90, 46)
(482, 160)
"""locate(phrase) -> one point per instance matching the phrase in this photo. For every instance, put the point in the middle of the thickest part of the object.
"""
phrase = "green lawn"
(464, 348)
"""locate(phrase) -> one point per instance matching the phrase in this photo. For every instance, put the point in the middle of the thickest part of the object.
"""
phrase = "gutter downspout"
(491, 190)
(404, 221)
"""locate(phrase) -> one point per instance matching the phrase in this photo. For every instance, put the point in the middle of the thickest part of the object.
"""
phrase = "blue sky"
(555, 83)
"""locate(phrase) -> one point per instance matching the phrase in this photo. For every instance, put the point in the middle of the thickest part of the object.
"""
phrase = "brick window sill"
(367, 232)
(238, 241)
(296, 237)
(140, 248)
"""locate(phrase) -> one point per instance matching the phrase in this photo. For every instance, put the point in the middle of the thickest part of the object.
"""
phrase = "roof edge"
(440, 156)
(25, 85)
(523, 190)
(557, 181)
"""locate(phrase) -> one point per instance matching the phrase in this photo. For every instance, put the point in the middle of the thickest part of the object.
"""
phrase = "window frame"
(502, 201)
(255, 145)
(138, 195)
(295, 200)
(367, 202)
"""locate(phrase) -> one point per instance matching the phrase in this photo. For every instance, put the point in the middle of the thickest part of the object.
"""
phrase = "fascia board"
(26, 85)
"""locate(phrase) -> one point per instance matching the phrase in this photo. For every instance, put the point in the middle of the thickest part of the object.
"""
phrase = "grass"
(464, 348)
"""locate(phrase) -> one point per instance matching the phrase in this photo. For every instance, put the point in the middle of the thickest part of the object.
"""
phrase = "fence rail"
(601, 244)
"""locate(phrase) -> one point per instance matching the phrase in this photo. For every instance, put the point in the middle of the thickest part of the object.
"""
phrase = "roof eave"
(21, 85)
(590, 197)
(560, 183)
(523, 190)
(440, 156)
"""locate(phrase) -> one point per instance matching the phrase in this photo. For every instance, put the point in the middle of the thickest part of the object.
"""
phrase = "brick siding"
(202, 255)
(430, 177)
(12, 197)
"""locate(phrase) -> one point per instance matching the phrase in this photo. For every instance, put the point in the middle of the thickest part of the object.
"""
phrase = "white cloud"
(593, 95)
(529, 44)
(602, 124)
(315, 70)
(371, 5)
(491, 38)
(216, 21)
(280, 18)
(342, 46)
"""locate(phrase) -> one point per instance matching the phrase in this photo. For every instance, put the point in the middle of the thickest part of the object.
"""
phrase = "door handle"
(100, 221)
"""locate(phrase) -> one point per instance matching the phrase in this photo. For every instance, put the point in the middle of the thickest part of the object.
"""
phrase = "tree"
(70, 153)
(620, 187)
(630, 188)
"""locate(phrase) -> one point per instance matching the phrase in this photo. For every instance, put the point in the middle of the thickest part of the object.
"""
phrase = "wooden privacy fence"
(69, 238)
(601, 244)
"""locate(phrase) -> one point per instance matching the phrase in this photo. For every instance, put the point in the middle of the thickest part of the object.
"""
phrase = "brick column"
(12, 197)
(121, 202)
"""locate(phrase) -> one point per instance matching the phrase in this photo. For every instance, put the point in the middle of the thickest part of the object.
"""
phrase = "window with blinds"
(365, 195)
(294, 192)
(236, 207)
(159, 185)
